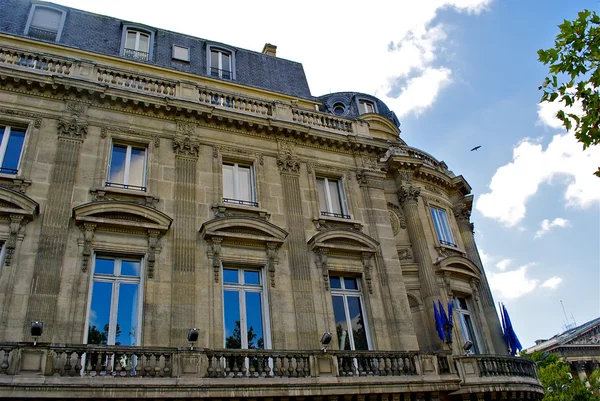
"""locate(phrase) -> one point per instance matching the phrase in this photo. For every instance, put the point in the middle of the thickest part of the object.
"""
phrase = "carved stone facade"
(261, 222)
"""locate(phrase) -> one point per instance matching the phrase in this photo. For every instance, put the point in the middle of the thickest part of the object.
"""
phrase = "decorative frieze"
(76, 108)
(186, 127)
(186, 148)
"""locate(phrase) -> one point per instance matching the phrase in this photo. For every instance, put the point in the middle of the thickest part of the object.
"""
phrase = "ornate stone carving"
(186, 127)
(16, 184)
(156, 141)
(186, 148)
(272, 261)
(37, 123)
(216, 151)
(214, 253)
(370, 162)
(405, 176)
(592, 337)
(462, 213)
(396, 218)
(408, 194)
(288, 164)
(445, 252)
(433, 189)
(405, 254)
(103, 131)
(153, 250)
(448, 284)
(310, 166)
(474, 289)
(71, 129)
(366, 259)
(16, 225)
(361, 177)
(87, 230)
(322, 254)
(76, 108)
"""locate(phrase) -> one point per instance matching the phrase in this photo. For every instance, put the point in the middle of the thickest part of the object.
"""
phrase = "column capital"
(408, 194)
(186, 148)
(288, 164)
(72, 129)
(462, 212)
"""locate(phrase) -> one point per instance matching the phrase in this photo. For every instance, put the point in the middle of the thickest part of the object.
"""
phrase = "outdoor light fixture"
(36, 330)
(325, 340)
(192, 337)
(468, 345)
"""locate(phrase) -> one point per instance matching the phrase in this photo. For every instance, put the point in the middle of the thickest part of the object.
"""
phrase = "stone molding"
(288, 165)
(186, 148)
(72, 129)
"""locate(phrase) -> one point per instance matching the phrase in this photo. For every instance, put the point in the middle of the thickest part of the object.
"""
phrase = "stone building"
(152, 183)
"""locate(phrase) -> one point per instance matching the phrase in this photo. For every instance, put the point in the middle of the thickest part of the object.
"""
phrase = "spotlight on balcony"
(192, 337)
(325, 340)
(467, 346)
(36, 330)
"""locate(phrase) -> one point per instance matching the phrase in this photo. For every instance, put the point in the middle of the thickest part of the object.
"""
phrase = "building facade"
(152, 183)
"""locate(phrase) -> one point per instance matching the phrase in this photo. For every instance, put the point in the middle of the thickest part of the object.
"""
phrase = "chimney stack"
(270, 49)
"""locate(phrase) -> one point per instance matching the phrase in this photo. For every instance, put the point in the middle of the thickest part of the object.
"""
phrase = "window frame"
(4, 145)
(220, 49)
(139, 30)
(242, 289)
(345, 293)
(253, 202)
(61, 25)
(174, 57)
(363, 101)
(125, 185)
(117, 279)
(442, 227)
(462, 314)
(345, 213)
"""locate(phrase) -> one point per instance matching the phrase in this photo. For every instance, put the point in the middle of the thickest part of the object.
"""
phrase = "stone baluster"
(4, 366)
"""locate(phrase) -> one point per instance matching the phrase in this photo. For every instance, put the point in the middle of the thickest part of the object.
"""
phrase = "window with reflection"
(332, 199)
(366, 106)
(127, 168)
(348, 311)
(137, 45)
(442, 226)
(243, 309)
(115, 302)
(462, 306)
(220, 64)
(238, 184)
(11, 148)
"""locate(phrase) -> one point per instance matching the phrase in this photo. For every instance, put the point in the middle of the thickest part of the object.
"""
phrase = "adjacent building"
(188, 221)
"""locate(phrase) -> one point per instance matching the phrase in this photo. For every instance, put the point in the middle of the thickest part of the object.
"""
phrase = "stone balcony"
(96, 371)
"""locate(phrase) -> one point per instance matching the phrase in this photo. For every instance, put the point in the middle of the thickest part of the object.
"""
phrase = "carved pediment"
(15, 203)
(458, 265)
(343, 240)
(591, 336)
(126, 215)
(243, 229)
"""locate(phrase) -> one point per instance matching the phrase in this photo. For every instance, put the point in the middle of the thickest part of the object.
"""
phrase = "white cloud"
(515, 183)
(485, 258)
(397, 41)
(503, 264)
(513, 283)
(552, 282)
(547, 225)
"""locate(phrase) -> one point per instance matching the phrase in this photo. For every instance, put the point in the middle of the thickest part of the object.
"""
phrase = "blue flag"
(443, 314)
(450, 313)
(512, 342)
(438, 322)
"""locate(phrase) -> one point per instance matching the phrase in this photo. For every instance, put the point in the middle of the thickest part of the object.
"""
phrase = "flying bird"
(475, 148)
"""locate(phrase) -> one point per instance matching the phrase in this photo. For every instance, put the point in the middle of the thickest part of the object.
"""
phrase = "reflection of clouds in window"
(117, 164)
(136, 168)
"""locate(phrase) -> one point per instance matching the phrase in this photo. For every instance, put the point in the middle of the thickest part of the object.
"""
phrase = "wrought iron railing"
(224, 74)
(338, 215)
(240, 202)
(43, 34)
(136, 54)
(125, 186)
(448, 243)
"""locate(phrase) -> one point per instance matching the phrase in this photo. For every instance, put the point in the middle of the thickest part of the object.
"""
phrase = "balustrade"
(495, 366)
(136, 82)
(321, 120)
(368, 363)
(236, 102)
(38, 62)
(251, 363)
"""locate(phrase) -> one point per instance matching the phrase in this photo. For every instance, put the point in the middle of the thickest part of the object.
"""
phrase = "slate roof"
(564, 337)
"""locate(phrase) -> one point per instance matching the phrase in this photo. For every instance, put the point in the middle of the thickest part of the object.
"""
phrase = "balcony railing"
(240, 202)
(33, 61)
(43, 34)
(224, 74)
(136, 54)
(125, 186)
(338, 215)
(473, 368)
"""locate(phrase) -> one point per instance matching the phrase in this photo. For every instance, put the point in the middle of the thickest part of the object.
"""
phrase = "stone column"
(462, 213)
(183, 294)
(45, 284)
(408, 196)
(580, 369)
(304, 306)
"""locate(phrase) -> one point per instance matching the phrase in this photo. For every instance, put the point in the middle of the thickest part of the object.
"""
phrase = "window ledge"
(445, 251)
(14, 182)
(328, 222)
(132, 195)
(224, 209)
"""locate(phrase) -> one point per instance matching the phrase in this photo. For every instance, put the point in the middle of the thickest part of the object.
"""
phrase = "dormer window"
(137, 43)
(366, 106)
(221, 62)
(45, 23)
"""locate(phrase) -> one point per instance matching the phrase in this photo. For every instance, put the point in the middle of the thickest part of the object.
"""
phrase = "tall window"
(348, 311)
(11, 147)
(127, 167)
(332, 199)
(366, 106)
(463, 311)
(238, 184)
(137, 45)
(220, 64)
(442, 227)
(243, 309)
(45, 23)
(114, 316)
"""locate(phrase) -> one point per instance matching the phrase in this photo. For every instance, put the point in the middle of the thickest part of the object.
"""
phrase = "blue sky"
(458, 73)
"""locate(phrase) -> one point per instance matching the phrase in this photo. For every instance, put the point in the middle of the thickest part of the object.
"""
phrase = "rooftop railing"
(35, 61)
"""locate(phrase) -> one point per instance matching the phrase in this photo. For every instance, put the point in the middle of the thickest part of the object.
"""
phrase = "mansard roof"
(585, 334)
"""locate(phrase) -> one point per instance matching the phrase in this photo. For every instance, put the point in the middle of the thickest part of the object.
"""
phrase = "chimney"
(270, 49)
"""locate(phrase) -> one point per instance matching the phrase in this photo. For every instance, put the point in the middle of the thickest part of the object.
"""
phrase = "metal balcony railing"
(43, 34)
(136, 54)
(125, 186)
(338, 215)
(224, 74)
(240, 202)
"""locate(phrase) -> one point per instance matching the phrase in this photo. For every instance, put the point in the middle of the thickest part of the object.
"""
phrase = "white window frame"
(4, 145)
(34, 7)
(138, 30)
(182, 48)
(461, 314)
(242, 289)
(117, 279)
(220, 49)
(441, 224)
(353, 293)
(125, 184)
(328, 200)
(236, 183)
(362, 106)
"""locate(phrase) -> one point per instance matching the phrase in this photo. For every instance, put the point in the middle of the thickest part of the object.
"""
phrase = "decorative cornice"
(186, 148)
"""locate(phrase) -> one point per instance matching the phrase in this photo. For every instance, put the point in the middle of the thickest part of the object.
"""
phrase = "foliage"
(574, 77)
(556, 378)
(234, 341)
